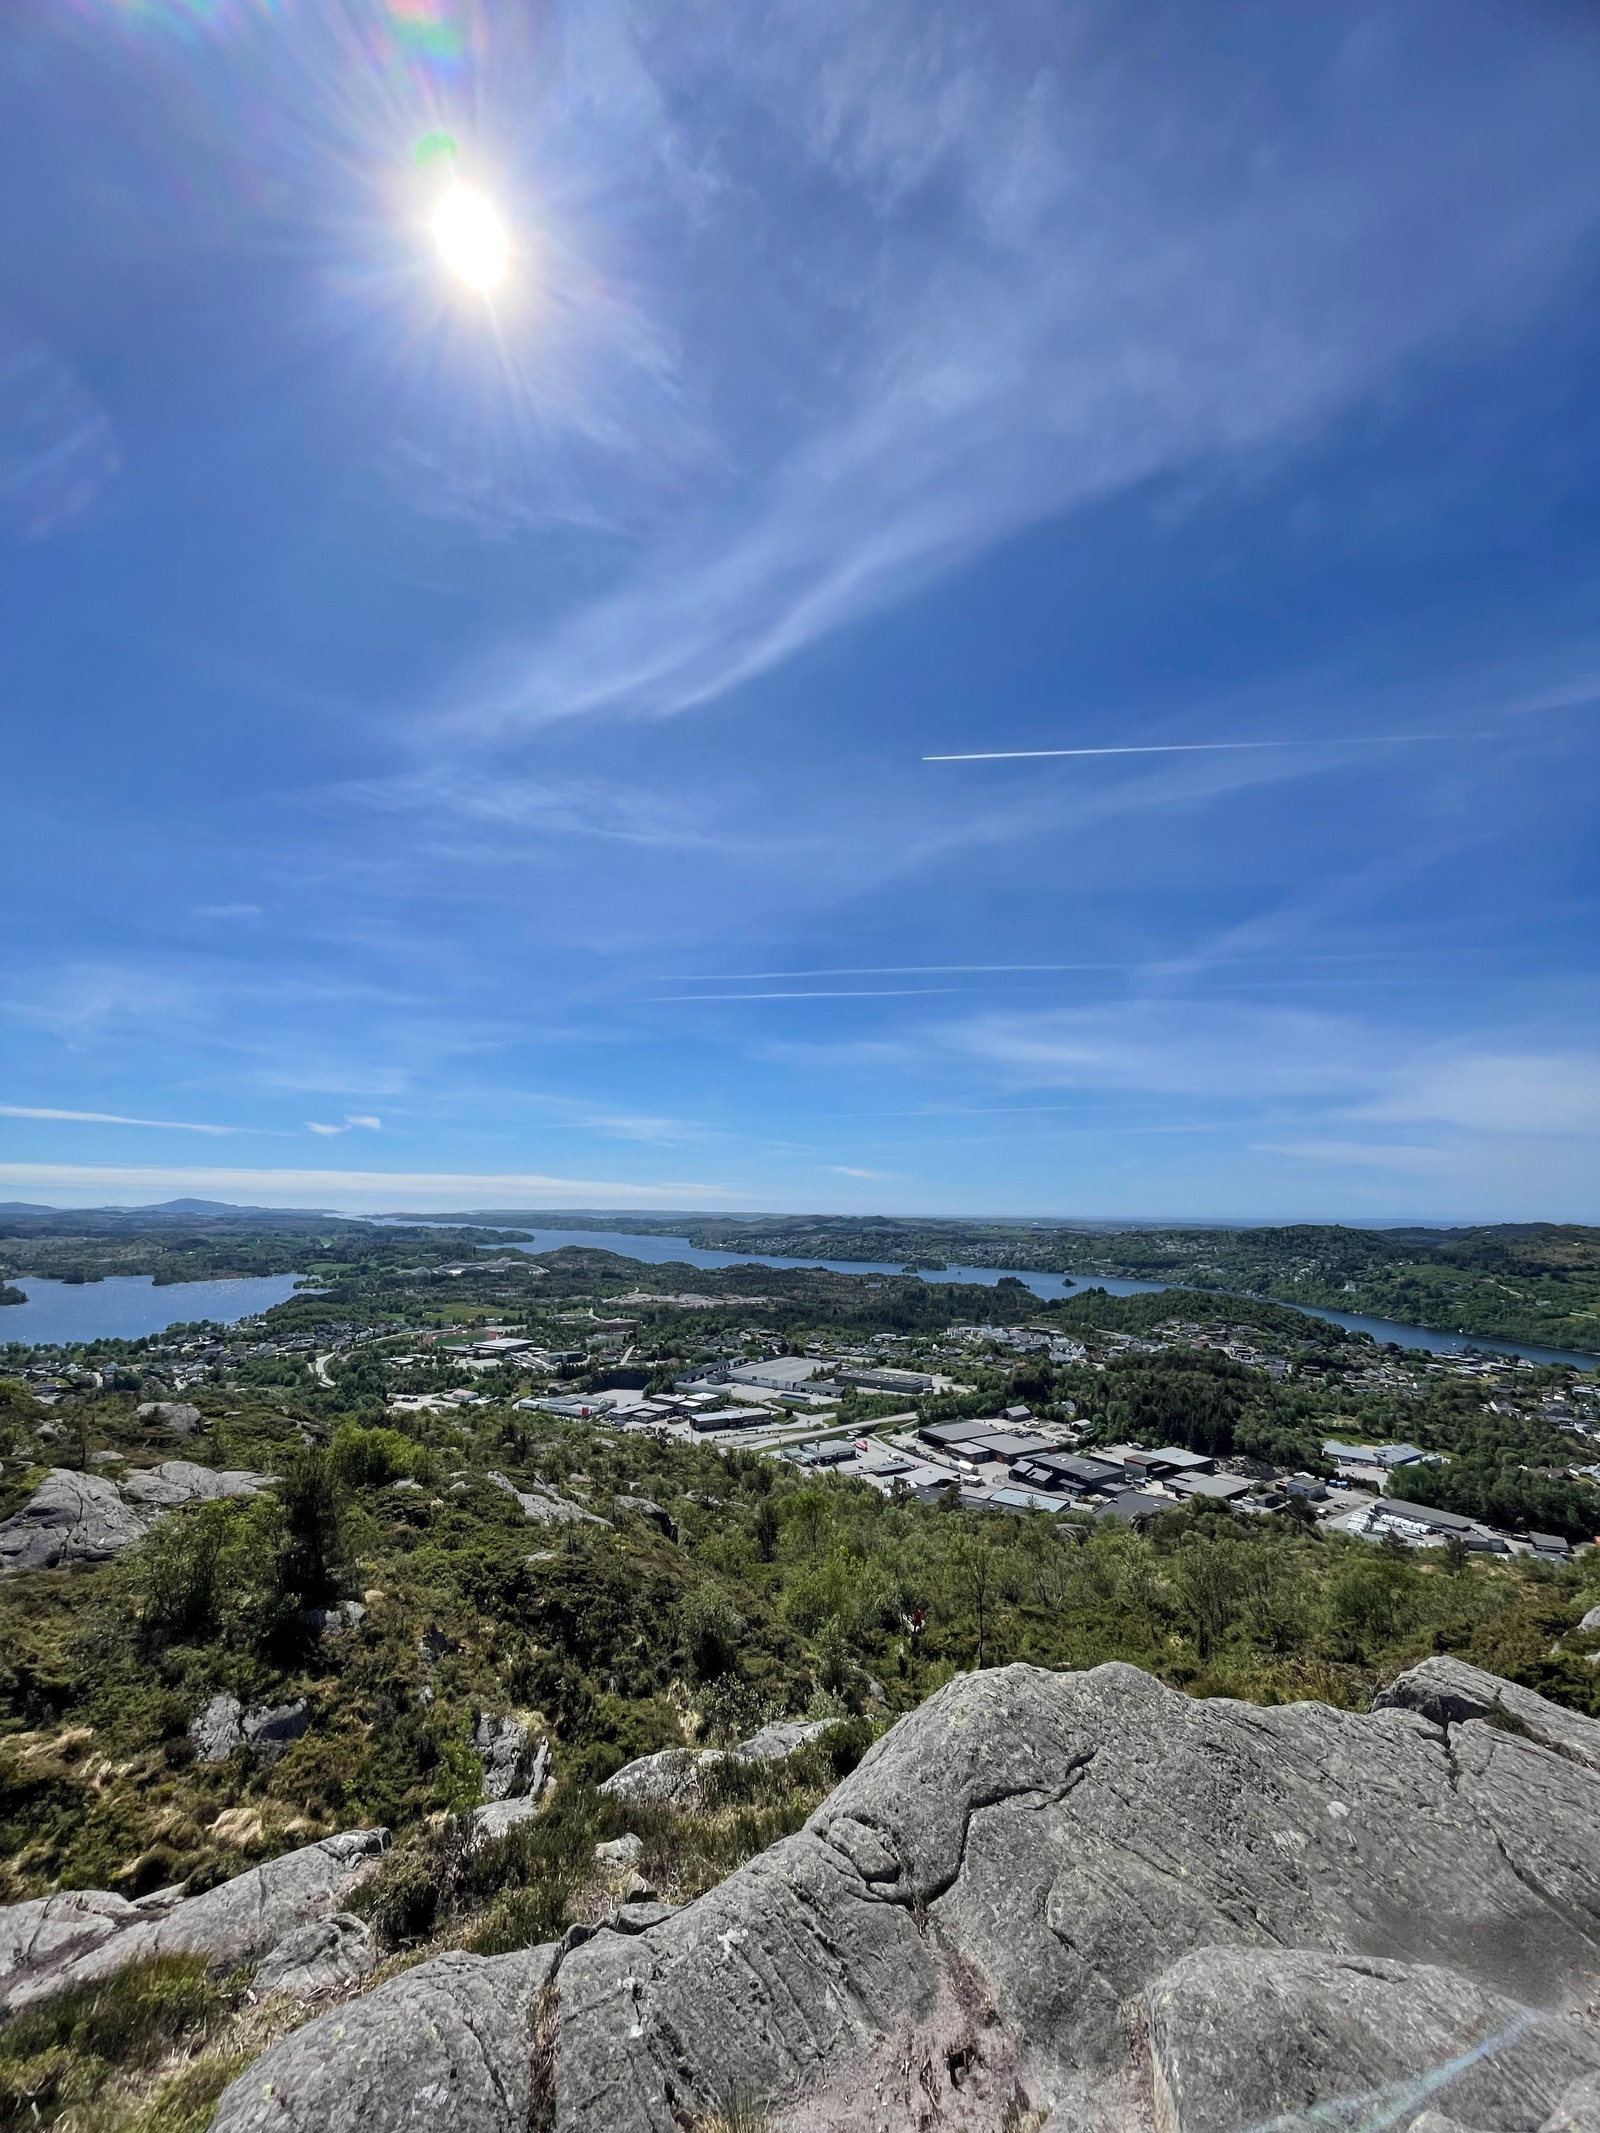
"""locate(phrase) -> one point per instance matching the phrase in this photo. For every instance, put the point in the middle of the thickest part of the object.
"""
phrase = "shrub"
(371, 1458)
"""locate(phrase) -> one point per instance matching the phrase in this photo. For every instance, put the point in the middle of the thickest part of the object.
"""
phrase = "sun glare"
(471, 238)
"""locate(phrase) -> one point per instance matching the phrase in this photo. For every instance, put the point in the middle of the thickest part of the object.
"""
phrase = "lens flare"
(471, 238)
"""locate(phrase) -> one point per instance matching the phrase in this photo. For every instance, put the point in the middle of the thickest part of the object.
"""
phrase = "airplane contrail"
(1366, 740)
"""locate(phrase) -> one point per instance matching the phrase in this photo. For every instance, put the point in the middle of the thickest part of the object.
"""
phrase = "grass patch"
(65, 2051)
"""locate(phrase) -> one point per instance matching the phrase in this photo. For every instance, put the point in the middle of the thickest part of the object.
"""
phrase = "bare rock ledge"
(1078, 1896)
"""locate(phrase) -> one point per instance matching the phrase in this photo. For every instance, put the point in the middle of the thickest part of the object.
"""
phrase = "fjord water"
(128, 1306)
(1050, 1286)
(125, 1307)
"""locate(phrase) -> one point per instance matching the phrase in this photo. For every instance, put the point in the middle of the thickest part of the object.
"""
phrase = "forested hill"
(1517, 1281)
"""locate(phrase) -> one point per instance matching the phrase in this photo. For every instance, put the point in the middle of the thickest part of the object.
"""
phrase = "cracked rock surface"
(86, 1518)
(79, 1935)
(1080, 1896)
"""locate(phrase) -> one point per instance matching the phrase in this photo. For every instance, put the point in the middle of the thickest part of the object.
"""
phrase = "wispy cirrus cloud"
(1119, 290)
(114, 1118)
(368, 1189)
(350, 1122)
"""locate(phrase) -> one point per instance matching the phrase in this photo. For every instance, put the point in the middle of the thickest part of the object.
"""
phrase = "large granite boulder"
(86, 1518)
(1068, 1901)
(83, 1934)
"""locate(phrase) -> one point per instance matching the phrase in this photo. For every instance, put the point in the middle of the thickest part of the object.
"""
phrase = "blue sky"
(472, 750)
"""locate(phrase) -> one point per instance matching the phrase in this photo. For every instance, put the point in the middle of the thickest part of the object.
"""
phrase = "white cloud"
(1120, 285)
(645, 1129)
(1369, 1155)
(848, 1170)
(1185, 1048)
(373, 1125)
(1533, 1093)
(114, 1118)
(370, 1189)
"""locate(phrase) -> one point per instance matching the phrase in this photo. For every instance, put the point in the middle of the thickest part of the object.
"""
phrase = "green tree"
(311, 1548)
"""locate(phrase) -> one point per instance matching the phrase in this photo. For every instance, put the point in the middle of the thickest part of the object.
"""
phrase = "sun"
(471, 237)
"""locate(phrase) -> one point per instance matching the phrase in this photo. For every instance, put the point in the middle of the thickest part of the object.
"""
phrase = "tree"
(766, 1528)
(975, 1568)
(311, 1547)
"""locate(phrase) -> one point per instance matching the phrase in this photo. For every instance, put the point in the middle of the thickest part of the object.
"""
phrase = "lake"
(125, 1307)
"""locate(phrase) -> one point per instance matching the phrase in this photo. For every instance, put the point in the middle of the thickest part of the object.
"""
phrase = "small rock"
(652, 1513)
(544, 1504)
(500, 1817)
(508, 1756)
(272, 1730)
(1591, 1620)
(175, 1415)
(773, 1743)
(324, 1956)
(433, 1644)
(217, 1731)
(621, 1851)
(637, 1890)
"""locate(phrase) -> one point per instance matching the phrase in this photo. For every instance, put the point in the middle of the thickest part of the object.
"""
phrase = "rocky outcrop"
(510, 1757)
(1068, 1901)
(460, 2042)
(652, 1513)
(673, 1777)
(86, 1518)
(176, 1415)
(268, 1731)
(544, 1506)
(84, 1934)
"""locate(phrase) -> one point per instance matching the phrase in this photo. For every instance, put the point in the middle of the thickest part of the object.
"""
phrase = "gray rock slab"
(500, 1817)
(1241, 2036)
(652, 1513)
(669, 1778)
(328, 1955)
(544, 1506)
(444, 2045)
(176, 1482)
(620, 1852)
(87, 1518)
(1448, 1692)
(76, 1937)
(672, 1776)
(272, 1729)
(774, 1742)
(69, 1518)
(1089, 1898)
